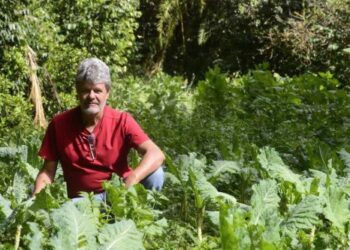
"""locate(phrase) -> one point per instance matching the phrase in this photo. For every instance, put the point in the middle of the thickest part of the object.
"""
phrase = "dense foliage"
(234, 192)
(187, 37)
(255, 159)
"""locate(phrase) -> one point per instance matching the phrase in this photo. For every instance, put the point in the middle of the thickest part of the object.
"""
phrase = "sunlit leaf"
(36, 237)
(220, 167)
(5, 208)
(75, 230)
(336, 207)
(303, 215)
(275, 167)
(264, 200)
(234, 228)
(121, 235)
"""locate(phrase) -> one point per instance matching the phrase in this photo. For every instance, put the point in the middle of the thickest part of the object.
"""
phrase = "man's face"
(92, 97)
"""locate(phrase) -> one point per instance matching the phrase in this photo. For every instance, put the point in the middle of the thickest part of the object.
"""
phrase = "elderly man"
(92, 141)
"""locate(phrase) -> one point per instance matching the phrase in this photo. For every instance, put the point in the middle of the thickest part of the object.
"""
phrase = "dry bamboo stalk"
(35, 93)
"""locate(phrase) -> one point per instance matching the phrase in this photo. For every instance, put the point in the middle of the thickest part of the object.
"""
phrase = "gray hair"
(93, 70)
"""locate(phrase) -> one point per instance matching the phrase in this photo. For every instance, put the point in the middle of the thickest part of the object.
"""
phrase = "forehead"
(91, 86)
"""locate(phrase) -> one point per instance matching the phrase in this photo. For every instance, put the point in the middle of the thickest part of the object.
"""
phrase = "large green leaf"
(275, 168)
(116, 196)
(303, 215)
(319, 182)
(157, 228)
(319, 174)
(5, 208)
(75, 230)
(14, 152)
(336, 207)
(35, 238)
(204, 191)
(265, 200)
(131, 203)
(344, 183)
(121, 235)
(214, 217)
(264, 210)
(345, 156)
(29, 170)
(90, 206)
(233, 228)
(19, 189)
(172, 178)
(229, 198)
(220, 167)
(187, 162)
(44, 200)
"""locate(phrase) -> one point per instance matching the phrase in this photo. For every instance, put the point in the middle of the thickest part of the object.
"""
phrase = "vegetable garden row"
(257, 161)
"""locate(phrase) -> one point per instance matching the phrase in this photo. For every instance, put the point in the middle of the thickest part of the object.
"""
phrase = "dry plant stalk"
(35, 93)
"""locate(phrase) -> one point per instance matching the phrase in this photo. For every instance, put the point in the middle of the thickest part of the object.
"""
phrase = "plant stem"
(312, 236)
(200, 217)
(184, 207)
(18, 236)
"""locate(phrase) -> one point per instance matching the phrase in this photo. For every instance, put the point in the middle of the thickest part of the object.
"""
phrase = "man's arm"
(45, 176)
(152, 159)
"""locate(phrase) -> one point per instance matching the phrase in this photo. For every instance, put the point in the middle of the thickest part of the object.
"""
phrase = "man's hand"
(152, 159)
(131, 180)
(45, 176)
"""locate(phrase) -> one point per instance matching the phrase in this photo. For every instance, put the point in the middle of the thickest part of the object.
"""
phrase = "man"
(92, 141)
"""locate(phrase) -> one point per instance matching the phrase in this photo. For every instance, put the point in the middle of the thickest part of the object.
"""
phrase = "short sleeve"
(48, 149)
(134, 132)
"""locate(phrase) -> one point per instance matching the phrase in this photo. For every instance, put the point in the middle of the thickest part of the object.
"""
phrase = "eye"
(84, 91)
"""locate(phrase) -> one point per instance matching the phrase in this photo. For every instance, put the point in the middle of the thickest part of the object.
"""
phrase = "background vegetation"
(248, 99)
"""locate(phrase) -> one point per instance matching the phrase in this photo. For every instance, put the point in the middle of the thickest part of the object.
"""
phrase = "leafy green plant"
(189, 174)
(129, 203)
(105, 29)
(273, 221)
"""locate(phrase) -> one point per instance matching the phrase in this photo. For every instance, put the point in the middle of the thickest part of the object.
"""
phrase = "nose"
(91, 94)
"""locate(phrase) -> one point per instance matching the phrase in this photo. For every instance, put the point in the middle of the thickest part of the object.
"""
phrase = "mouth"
(92, 104)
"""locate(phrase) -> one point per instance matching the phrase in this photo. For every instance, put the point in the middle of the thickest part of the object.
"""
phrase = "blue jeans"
(153, 181)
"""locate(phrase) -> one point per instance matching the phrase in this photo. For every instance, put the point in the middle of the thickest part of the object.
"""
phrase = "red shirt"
(66, 141)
